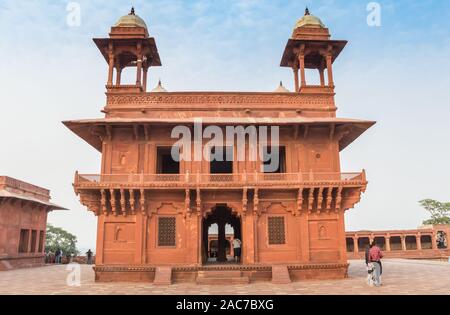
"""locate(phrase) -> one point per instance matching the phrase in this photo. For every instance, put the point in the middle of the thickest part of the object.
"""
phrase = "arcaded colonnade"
(430, 242)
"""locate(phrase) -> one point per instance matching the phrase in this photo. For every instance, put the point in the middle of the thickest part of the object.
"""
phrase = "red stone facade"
(428, 242)
(150, 216)
(23, 221)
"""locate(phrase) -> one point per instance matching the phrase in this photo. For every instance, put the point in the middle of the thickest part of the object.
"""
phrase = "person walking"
(58, 255)
(369, 266)
(375, 256)
(89, 257)
(237, 244)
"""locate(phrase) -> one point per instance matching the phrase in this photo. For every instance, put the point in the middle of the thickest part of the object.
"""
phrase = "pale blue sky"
(397, 74)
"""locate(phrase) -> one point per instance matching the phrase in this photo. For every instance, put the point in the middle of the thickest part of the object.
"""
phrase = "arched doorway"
(217, 244)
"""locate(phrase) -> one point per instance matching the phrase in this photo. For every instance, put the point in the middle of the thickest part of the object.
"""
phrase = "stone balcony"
(218, 181)
(128, 194)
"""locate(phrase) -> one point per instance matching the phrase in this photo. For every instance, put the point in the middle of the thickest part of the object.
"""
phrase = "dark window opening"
(274, 165)
(167, 232)
(223, 164)
(396, 243)
(411, 242)
(426, 242)
(350, 245)
(33, 241)
(363, 244)
(166, 164)
(23, 241)
(41, 242)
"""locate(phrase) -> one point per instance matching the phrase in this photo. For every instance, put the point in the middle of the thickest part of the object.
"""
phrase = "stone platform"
(234, 273)
(400, 277)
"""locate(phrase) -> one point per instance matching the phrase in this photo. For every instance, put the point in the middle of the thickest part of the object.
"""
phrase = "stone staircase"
(213, 277)
(163, 276)
(280, 275)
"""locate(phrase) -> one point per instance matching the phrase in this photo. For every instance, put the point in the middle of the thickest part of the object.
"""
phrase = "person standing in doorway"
(237, 244)
(375, 256)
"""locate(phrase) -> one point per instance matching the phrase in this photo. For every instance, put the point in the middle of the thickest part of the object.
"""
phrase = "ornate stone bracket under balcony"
(128, 194)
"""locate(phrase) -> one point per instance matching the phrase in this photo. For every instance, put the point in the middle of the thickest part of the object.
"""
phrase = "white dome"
(159, 88)
(131, 20)
(281, 89)
(309, 20)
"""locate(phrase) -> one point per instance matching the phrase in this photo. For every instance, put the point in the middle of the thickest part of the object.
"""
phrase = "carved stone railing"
(218, 180)
(318, 98)
(125, 194)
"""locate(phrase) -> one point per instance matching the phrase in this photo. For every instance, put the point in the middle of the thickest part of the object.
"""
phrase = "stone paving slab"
(404, 277)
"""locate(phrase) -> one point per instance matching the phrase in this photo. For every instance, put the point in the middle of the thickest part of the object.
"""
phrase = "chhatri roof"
(131, 20)
(83, 128)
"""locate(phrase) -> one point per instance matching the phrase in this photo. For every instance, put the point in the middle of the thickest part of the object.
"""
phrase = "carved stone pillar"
(403, 238)
(144, 83)
(355, 244)
(433, 241)
(118, 75)
(388, 243)
(111, 66)
(139, 64)
(222, 254)
(301, 60)
(322, 76)
(330, 70)
(296, 83)
(418, 242)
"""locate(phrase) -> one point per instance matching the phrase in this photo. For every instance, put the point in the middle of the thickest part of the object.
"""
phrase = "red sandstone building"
(154, 212)
(23, 221)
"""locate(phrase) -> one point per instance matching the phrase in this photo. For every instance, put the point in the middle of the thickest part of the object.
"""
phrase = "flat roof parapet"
(23, 188)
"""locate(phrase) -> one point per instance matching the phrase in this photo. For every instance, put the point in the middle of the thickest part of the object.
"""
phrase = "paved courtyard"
(400, 277)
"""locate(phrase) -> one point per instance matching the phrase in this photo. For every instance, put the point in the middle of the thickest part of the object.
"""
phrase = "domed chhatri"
(131, 20)
(281, 89)
(129, 45)
(309, 20)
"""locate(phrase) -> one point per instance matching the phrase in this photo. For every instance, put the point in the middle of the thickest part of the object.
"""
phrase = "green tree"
(59, 238)
(440, 211)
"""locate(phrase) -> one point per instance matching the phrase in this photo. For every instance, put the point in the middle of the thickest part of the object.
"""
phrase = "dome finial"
(307, 11)
(132, 11)
(281, 89)
(159, 88)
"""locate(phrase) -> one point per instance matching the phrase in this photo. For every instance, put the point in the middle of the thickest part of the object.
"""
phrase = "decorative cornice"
(266, 268)
(161, 99)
